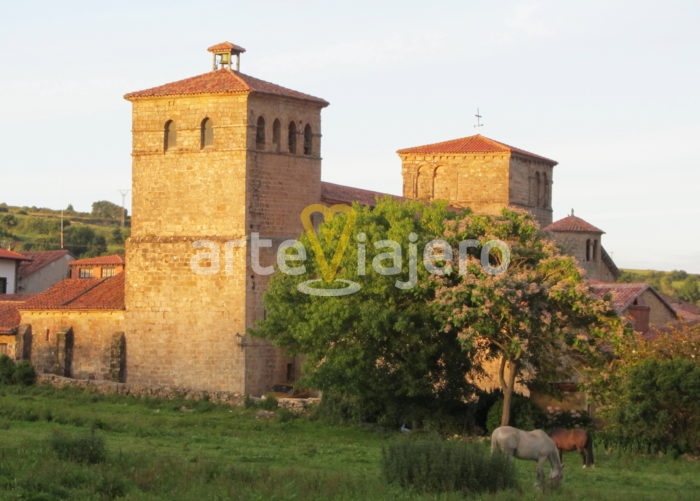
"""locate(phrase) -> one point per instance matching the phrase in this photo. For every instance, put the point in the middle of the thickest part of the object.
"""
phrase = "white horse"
(535, 445)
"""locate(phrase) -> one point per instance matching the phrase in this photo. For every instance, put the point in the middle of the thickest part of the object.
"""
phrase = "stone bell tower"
(216, 157)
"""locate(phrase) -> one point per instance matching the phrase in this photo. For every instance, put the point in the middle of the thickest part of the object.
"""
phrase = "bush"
(439, 466)
(657, 408)
(24, 374)
(85, 448)
(7, 369)
(523, 414)
(269, 403)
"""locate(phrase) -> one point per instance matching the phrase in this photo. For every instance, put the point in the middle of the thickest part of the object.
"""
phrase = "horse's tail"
(589, 448)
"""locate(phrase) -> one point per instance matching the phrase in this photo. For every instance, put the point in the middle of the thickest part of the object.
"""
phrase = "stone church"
(218, 157)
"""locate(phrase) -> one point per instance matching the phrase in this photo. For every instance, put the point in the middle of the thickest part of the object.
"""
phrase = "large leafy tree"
(382, 347)
(536, 319)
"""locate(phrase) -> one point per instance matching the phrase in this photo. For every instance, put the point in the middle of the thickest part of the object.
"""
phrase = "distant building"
(10, 263)
(97, 267)
(44, 269)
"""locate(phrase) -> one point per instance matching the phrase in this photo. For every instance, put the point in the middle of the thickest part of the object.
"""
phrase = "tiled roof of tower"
(624, 294)
(226, 46)
(15, 256)
(222, 81)
(332, 193)
(99, 260)
(81, 294)
(39, 260)
(473, 144)
(572, 224)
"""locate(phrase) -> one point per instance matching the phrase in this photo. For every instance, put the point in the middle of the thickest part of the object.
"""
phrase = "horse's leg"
(561, 455)
(540, 470)
(584, 455)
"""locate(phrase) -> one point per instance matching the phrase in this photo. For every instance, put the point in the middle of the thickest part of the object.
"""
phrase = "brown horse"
(574, 439)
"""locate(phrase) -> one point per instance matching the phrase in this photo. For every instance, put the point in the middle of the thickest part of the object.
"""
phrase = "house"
(44, 269)
(97, 267)
(10, 263)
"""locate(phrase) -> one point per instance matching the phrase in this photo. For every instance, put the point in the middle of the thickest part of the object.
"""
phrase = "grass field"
(187, 450)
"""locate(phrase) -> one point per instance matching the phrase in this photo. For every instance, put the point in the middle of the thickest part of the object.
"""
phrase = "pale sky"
(610, 89)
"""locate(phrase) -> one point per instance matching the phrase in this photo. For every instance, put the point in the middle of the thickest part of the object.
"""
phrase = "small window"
(588, 249)
(595, 250)
(206, 133)
(545, 191)
(169, 135)
(308, 140)
(276, 135)
(108, 271)
(3, 285)
(85, 272)
(538, 188)
(290, 372)
(292, 137)
(260, 134)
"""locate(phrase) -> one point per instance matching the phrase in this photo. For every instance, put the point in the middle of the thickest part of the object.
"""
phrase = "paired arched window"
(538, 188)
(276, 135)
(589, 246)
(292, 138)
(308, 140)
(595, 250)
(545, 191)
(206, 133)
(260, 134)
(169, 135)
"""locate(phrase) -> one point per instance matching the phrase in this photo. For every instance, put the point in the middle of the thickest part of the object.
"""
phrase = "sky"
(610, 89)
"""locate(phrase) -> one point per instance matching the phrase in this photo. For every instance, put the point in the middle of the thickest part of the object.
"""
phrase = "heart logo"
(328, 270)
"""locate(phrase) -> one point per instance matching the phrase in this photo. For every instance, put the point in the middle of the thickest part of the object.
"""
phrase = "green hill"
(676, 284)
(84, 234)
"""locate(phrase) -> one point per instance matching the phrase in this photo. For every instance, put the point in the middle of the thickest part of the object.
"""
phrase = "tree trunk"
(507, 385)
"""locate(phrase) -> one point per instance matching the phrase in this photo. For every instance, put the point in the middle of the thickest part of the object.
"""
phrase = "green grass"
(187, 450)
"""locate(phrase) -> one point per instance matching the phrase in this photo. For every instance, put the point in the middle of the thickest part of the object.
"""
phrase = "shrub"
(269, 403)
(84, 448)
(440, 466)
(523, 414)
(558, 418)
(24, 374)
(657, 408)
(7, 369)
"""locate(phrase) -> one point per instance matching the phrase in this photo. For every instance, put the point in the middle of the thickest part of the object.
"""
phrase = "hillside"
(84, 234)
(676, 284)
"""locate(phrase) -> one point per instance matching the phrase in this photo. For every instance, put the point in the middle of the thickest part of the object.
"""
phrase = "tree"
(107, 210)
(382, 347)
(537, 319)
(70, 208)
(82, 241)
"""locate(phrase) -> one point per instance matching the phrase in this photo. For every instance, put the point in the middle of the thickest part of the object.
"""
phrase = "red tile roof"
(473, 144)
(113, 259)
(81, 294)
(16, 256)
(226, 46)
(222, 81)
(332, 193)
(39, 260)
(9, 317)
(572, 224)
(624, 294)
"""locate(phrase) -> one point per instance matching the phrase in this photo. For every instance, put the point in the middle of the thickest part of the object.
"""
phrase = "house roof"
(473, 144)
(332, 193)
(9, 317)
(12, 255)
(81, 294)
(222, 81)
(39, 260)
(572, 224)
(624, 294)
(113, 259)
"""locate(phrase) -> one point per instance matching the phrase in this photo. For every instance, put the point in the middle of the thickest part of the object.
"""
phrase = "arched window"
(308, 140)
(538, 187)
(276, 135)
(588, 249)
(595, 250)
(169, 135)
(260, 134)
(545, 191)
(292, 137)
(206, 133)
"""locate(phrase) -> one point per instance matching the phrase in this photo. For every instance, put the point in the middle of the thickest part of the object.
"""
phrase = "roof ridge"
(237, 76)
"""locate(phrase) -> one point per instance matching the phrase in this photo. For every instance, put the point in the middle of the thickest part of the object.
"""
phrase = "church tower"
(216, 158)
(480, 173)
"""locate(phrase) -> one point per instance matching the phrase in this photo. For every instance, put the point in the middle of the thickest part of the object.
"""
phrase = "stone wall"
(574, 244)
(659, 314)
(72, 343)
